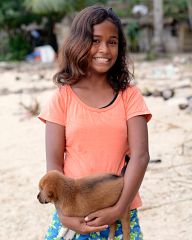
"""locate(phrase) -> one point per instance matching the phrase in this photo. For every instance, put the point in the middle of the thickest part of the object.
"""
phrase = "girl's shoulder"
(61, 88)
(59, 95)
(134, 103)
(131, 91)
(61, 91)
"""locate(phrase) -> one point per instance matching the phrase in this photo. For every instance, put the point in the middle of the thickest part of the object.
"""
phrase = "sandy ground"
(167, 188)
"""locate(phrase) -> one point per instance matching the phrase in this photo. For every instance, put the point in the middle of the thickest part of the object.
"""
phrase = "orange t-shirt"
(96, 139)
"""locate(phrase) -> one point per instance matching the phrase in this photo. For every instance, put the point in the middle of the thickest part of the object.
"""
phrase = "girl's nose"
(103, 47)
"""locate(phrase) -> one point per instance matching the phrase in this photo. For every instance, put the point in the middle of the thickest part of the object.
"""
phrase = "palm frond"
(48, 6)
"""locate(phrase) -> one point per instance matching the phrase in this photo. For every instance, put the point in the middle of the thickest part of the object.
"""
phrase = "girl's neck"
(95, 82)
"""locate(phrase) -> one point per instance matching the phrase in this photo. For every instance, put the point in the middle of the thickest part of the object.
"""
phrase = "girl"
(94, 118)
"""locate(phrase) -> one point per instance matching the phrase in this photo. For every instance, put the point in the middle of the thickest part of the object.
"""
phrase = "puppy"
(80, 197)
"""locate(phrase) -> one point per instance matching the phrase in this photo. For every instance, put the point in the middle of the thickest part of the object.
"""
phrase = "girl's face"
(104, 50)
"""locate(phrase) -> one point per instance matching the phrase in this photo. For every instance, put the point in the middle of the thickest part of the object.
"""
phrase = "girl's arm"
(138, 145)
(55, 148)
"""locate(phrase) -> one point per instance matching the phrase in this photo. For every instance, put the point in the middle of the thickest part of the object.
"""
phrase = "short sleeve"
(135, 104)
(55, 109)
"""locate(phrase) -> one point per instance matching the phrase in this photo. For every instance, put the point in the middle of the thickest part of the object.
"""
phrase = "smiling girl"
(95, 118)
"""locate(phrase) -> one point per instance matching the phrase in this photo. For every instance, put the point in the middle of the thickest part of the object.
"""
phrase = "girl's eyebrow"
(101, 36)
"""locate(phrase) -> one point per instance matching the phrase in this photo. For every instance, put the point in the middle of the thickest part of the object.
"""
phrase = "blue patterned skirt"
(135, 231)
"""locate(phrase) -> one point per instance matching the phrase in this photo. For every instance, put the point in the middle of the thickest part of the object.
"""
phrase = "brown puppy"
(79, 198)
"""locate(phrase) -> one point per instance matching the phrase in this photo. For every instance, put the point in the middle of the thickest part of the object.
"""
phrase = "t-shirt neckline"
(93, 108)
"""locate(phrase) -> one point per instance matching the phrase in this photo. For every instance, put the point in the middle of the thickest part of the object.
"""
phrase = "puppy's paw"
(62, 232)
(66, 233)
(69, 235)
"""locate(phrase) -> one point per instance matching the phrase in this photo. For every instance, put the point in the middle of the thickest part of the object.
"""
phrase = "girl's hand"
(79, 225)
(103, 217)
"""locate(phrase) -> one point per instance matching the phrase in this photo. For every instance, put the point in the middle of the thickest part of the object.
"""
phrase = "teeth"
(101, 59)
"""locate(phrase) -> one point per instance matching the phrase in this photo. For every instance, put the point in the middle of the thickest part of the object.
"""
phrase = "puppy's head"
(48, 185)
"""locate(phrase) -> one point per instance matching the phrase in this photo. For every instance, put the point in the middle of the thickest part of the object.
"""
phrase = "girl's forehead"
(105, 28)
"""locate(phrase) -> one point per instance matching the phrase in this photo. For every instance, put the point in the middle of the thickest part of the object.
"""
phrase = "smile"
(101, 59)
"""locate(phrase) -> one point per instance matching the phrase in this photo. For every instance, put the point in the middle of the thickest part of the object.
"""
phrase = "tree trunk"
(189, 3)
(158, 26)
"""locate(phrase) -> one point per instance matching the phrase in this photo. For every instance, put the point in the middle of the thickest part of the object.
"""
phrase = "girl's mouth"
(101, 59)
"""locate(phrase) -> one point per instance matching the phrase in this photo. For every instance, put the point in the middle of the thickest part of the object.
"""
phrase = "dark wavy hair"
(73, 57)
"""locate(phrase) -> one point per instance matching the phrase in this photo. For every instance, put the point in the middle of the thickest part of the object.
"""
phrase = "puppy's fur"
(79, 198)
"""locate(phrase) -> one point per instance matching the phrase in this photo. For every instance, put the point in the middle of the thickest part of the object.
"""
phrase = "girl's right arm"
(55, 146)
(55, 149)
(78, 224)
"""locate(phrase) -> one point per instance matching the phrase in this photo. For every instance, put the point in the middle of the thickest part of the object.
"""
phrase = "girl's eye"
(113, 42)
(96, 41)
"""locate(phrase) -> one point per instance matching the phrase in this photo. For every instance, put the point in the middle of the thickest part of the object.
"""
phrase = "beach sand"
(166, 191)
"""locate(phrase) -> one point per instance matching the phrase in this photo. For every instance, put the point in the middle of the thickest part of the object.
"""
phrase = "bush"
(14, 47)
(133, 35)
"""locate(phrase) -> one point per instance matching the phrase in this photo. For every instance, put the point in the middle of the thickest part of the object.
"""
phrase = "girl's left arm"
(139, 158)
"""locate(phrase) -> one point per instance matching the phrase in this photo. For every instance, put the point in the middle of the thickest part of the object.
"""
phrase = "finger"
(94, 223)
(96, 229)
(90, 217)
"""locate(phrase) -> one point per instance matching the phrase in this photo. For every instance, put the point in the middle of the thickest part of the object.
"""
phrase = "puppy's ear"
(52, 195)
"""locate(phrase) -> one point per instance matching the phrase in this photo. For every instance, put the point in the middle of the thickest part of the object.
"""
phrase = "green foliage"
(49, 6)
(133, 35)
(19, 47)
(58, 6)
(16, 47)
(122, 12)
(135, 2)
(151, 55)
(80, 4)
(13, 14)
(172, 8)
(178, 10)
(123, 8)
(4, 45)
